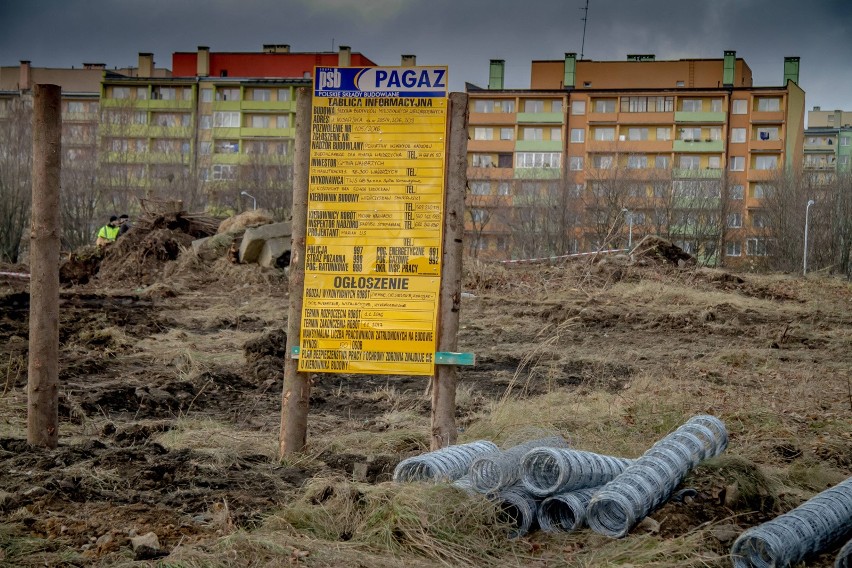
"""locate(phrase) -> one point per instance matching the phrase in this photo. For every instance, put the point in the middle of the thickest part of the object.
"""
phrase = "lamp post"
(805, 255)
(252, 198)
(629, 215)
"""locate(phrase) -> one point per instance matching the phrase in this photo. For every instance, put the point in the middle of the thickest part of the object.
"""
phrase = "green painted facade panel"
(714, 146)
(538, 173)
(707, 173)
(226, 105)
(538, 146)
(703, 117)
(540, 118)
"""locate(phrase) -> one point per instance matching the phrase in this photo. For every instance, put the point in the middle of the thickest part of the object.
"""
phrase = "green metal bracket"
(441, 357)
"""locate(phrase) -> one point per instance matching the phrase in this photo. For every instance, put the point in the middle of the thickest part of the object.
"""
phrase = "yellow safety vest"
(108, 232)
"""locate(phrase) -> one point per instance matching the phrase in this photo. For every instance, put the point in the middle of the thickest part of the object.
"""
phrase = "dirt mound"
(81, 265)
(657, 248)
(265, 354)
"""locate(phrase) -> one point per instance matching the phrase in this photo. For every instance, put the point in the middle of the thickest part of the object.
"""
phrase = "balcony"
(688, 173)
(78, 117)
(767, 145)
(538, 173)
(273, 106)
(821, 147)
(759, 117)
(762, 175)
(491, 146)
(495, 173)
(227, 105)
(267, 132)
(538, 146)
(702, 117)
(540, 118)
(654, 118)
(497, 118)
(702, 146)
(603, 117)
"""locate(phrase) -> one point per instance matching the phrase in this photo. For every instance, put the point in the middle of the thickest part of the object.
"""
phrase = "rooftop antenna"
(332, 44)
(585, 19)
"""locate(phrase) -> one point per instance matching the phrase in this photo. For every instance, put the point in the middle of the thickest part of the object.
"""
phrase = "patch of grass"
(222, 441)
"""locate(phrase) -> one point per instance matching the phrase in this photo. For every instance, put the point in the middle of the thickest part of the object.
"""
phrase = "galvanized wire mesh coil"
(817, 524)
(464, 484)
(844, 557)
(446, 464)
(650, 480)
(565, 512)
(496, 470)
(518, 508)
(548, 471)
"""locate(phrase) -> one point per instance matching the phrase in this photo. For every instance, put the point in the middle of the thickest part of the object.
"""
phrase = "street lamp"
(805, 255)
(629, 215)
(252, 198)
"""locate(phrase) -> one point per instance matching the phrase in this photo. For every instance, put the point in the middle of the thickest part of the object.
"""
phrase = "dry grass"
(223, 442)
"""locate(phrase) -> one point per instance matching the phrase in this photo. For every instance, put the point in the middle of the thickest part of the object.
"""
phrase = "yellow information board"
(374, 220)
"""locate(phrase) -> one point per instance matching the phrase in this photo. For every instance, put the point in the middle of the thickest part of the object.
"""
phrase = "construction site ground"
(170, 397)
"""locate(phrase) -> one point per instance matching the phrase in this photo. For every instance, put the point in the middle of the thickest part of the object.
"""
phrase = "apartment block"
(221, 123)
(828, 144)
(597, 154)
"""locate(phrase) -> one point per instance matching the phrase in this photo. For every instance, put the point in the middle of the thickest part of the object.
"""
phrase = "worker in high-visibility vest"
(108, 233)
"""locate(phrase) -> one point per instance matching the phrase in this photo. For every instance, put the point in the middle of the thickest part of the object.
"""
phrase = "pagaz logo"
(329, 79)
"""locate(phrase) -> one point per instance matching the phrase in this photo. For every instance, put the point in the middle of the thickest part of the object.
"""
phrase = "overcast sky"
(463, 34)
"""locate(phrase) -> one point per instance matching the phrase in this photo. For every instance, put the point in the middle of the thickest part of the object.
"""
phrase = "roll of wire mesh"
(548, 471)
(565, 512)
(844, 557)
(813, 526)
(648, 482)
(446, 464)
(497, 470)
(517, 508)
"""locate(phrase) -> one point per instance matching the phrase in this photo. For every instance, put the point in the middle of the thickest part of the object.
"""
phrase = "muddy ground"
(140, 363)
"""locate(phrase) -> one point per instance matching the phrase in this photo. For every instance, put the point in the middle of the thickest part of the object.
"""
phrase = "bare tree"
(15, 175)
(267, 175)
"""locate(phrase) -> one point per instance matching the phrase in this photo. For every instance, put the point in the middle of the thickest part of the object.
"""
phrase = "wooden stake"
(43, 370)
(297, 386)
(444, 431)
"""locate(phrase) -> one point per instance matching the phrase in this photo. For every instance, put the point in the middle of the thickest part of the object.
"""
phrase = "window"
(715, 133)
(635, 162)
(227, 147)
(163, 93)
(664, 133)
(756, 247)
(733, 248)
(575, 190)
(714, 162)
(761, 190)
(647, 104)
(691, 105)
(533, 133)
(735, 220)
(171, 119)
(227, 95)
(578, 107)
(141, 93)
(206, 95)
(739, 106)
(637, 133)
(738, 135)
(556, 106)
(121, 92)
(504, 160)
(226, 119)
(483, 133)
(261, 94)
(482, 105)
(507, 133)
(759, 220)
(844, 160)
(503, 188)
(533, 106)
(282, 121)
(690, 134)
(679, 83)
(482, 161)
(259, 121)
(224, 172)
(765, 162)
(604, 134)
(578, 135)
(737, 164)
(768, 104)
(204, 121)
(638, 218)
(845, 140)
(689, 162)
(140, 117)
(661, 162)
(715, 105)
(575, 163)
(538, 160)
(766, 133)
(478, 215)
(736, 192)
(205, 147)
(283, 95)
(604, 105)
(185, 147)
(556, 134)
(602, 161)
(480, 187)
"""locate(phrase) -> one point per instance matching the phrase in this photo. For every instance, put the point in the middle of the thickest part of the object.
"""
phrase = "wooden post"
(43, 370)
(297, 386)
(444, 431)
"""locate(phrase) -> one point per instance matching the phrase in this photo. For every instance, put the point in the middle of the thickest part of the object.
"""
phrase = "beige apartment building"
(594, 155)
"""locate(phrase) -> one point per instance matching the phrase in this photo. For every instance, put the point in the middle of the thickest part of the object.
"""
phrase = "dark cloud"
(464, 34)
